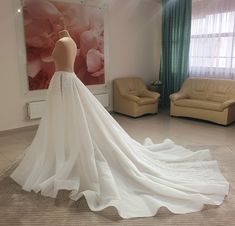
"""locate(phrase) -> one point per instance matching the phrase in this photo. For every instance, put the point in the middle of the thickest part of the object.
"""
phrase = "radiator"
(36, 108)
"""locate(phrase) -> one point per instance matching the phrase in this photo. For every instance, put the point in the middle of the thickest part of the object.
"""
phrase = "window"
(212, 47)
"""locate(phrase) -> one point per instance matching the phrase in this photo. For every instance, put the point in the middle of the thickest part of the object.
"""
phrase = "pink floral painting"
(43, 19)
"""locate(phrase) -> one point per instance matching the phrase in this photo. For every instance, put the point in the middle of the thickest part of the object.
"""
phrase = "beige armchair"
(132, 98)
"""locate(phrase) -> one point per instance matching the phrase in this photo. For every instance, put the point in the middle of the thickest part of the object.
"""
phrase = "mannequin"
(65, 52)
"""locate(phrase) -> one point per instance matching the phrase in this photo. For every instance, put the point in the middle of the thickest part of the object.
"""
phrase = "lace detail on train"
(81, 148)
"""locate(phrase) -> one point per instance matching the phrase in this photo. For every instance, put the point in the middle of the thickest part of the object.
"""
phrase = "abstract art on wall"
(43, 19)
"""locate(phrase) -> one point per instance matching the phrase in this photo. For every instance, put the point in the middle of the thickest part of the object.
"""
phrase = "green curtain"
(176, 31)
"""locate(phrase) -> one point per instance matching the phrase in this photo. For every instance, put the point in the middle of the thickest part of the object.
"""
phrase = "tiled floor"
(182, 130)
(13, 144)
(158, 127)
(18, 207)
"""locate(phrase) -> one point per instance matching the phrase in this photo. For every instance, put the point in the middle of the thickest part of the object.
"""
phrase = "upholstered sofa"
(131, 97)
(207, 99)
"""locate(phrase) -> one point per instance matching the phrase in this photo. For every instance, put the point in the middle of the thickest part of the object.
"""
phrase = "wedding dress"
(80, 147)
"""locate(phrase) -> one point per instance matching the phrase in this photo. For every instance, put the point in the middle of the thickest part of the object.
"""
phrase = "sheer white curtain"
(212, 47)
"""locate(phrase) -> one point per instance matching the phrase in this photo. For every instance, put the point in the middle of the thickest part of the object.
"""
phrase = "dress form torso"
(64, 53)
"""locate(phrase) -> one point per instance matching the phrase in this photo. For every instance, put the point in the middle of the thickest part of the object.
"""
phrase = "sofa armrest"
(147, 93)
(228, 103)
(131, 97)
(178, 96)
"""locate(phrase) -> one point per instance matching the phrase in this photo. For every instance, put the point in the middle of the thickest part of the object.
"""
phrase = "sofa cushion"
(203, 104)
(214, 90)
(196, 88)
(221, 91)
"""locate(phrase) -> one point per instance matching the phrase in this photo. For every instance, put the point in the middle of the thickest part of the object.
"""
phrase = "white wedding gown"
(80, 147)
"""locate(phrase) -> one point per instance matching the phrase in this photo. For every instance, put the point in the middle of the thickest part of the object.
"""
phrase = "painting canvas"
(43, 19)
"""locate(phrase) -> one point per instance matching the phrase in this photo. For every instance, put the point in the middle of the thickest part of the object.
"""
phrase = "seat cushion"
(146, 100)
(202, 104)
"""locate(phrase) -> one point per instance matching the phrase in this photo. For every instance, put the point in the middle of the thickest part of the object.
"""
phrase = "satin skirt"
(80, 147)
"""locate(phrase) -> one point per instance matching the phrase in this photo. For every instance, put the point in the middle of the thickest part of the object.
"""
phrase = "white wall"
(133, 28)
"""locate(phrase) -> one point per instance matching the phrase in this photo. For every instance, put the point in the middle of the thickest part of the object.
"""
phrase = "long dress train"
(80, 147)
